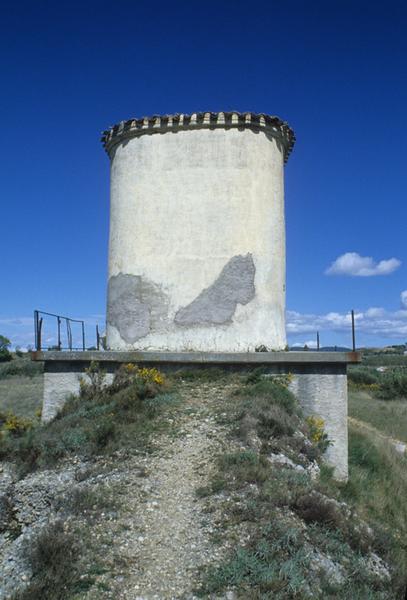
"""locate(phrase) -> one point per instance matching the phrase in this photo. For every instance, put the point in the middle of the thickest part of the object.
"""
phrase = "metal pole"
(83, 336)
(59, 333)
(317, 340)
(69, 333)
(36, 329)
(97, 337)
(353, 331)
(39, 334)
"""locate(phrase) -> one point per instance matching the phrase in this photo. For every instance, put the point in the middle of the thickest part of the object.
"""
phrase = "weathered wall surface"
(197, 242)
(326, 395)
(58, 386)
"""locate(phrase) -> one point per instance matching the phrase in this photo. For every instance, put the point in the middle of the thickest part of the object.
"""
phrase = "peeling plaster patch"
(135, 306)
(217, 304)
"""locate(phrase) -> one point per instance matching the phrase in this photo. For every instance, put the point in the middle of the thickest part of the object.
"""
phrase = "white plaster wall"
(58, 387)
(326, 396)
(182, 205)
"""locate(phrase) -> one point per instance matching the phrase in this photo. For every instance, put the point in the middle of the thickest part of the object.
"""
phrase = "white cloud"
(403, 297)
(351, 263)
(375, 312)
(373, 321)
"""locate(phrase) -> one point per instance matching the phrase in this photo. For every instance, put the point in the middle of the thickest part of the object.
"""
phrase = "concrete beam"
(202, 358)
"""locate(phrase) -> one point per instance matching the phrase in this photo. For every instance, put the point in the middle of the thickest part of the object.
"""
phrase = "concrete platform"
(204, 358)
(319, 380)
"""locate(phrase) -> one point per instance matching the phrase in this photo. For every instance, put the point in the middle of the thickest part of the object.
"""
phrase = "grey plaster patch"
(135, 306)
(217, 304)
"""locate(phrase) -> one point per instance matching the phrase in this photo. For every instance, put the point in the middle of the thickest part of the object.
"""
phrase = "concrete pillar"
(61, 380)
(326, 395)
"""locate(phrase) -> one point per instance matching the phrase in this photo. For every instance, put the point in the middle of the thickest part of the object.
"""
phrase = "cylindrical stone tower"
(197, 234)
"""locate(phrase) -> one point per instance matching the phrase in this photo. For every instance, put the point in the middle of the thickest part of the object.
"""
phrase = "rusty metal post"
(59, 333)
(353, 331)
(39, 333)
(69, 333)
(36, 329)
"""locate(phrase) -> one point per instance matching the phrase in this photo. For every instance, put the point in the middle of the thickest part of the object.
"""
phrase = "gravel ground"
(155, 534)
(163, 535)
(153, 544)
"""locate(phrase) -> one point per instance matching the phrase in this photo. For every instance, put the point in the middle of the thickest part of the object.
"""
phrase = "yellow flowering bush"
(316, 426)
(147, 375)
(317, 434)
(285, 380)
(16, 425)
(151, 375)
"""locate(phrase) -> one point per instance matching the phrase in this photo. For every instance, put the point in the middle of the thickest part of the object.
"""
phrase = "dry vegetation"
(295, 532)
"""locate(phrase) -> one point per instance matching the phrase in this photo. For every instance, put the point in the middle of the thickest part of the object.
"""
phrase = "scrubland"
(258, 514)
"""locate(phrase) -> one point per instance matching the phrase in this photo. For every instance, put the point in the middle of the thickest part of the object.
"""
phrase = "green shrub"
(244, 467)
(15, 425)
(271, 390)
(316, 508)
(53, 558)
(294, 522)
(5, 355)
(363, 375)
(21, 366)
(99, 419)
(5, 343)
(87, 499)
(393, 385)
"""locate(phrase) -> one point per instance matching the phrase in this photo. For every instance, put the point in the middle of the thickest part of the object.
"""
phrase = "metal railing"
(38, 323)
(62, 323)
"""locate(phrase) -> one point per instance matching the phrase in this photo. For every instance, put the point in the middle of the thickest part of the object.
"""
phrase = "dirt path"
(398, 445)
(164, 536)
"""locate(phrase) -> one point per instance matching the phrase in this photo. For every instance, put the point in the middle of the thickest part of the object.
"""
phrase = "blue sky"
(336, 71)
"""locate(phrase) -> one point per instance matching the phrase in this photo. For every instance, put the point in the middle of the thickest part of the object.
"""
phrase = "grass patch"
(101, 419)
(88, 500)
(244, 467)
(304, 543)
(275, 565)
(378, 487)
(21, 395)
(53, 558)
(388, 417)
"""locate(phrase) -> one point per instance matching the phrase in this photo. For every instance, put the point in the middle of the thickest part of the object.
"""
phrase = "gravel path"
(163, 537)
